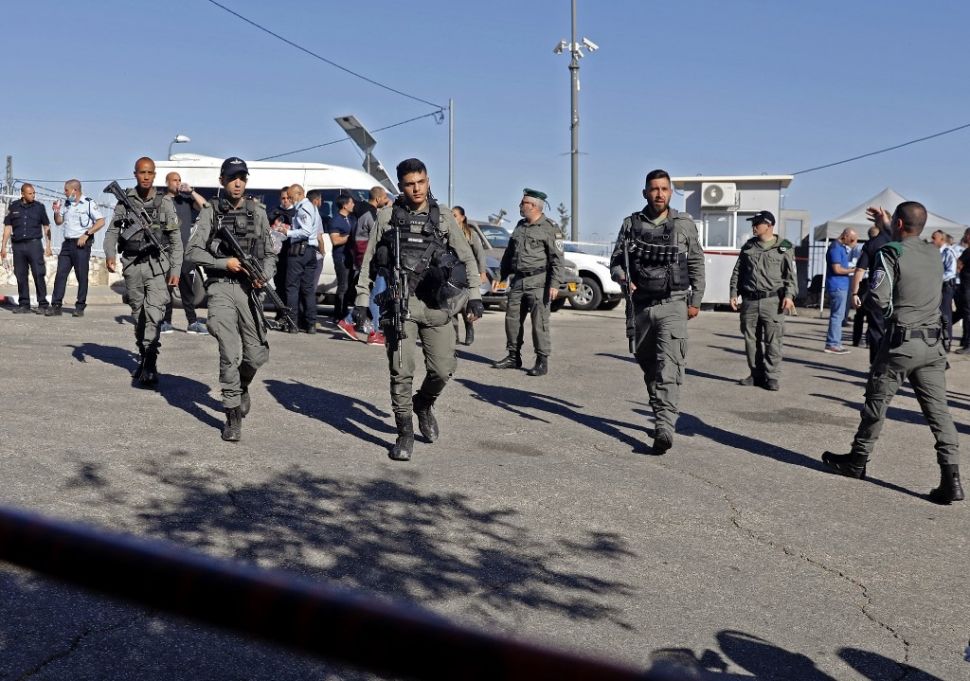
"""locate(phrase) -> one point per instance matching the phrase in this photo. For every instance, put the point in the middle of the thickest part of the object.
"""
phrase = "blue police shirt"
(26, 220)
(306, 222)
(79, 216)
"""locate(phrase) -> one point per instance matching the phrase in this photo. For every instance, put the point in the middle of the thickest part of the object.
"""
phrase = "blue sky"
(706, 87)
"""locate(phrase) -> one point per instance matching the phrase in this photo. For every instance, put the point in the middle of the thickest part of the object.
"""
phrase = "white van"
(266, 179)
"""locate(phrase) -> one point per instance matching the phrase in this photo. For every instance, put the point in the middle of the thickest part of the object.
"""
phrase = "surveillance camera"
(590, 45)
(558, 49)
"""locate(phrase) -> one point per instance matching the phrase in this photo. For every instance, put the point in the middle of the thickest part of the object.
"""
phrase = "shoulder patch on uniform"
(784, 245)
(895, 246)
(559, 245)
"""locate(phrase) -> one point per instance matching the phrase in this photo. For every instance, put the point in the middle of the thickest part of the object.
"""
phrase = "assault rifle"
(631, 328)
(141, 221)
(395, 301)
(255, 272)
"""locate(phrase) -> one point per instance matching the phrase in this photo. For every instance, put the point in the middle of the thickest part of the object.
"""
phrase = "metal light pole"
(179, 139)
(576, 53)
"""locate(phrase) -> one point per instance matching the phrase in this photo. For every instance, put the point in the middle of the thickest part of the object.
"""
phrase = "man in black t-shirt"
(866, 263)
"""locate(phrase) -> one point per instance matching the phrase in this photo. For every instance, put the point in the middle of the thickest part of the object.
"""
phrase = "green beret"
(535, 193)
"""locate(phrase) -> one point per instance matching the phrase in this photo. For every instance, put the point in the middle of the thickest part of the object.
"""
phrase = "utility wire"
(883, 151)
(324, 59)
(346, 139)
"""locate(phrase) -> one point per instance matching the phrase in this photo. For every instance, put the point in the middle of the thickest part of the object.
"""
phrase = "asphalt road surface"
(538, 512)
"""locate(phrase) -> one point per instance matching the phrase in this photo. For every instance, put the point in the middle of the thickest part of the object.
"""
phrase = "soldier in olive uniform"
(764, 274)
(534, 259)
(442, 277)
(235, 307)
(906, 285)
(148, 273)
(666, 279)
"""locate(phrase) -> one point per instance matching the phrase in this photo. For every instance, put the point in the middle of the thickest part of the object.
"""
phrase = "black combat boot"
(244, 403)
(950, 488)
(233, 429)
(541, 368)
(427, 423)
(513, 360)
(404, 446)
(849, 465)
(136, 372)
(469, 332)
(663, 440)
(148, 378)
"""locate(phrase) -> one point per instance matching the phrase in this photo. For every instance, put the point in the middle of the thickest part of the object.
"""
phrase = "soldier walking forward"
(235, 307)
(666, 278)
(418, 247)
(148, 270)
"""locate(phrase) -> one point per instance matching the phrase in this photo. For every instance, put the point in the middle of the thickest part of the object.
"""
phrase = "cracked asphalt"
(537, 513)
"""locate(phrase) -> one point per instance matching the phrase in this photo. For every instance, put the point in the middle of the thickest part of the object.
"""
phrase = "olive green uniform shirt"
(534, 246)
(765, 267)
(906, 284)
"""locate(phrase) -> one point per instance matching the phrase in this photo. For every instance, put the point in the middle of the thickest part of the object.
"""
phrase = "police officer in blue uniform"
(81, 219)
(26, 225)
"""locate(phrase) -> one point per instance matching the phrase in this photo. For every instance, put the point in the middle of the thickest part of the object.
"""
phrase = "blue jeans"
(837, 300)
(380, 285)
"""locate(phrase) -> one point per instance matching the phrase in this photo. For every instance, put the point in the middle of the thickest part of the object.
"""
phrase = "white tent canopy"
(888, 199)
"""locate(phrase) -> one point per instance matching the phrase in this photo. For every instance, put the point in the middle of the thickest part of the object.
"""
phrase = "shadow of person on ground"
(892, 413)
(184, 393)
(346, 414)
(875, 667)
(109, 354)
(689, 425)
(523, 403)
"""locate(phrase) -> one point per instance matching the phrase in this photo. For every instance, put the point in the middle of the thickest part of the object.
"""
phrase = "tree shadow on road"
(524, 403)
(346, 414)
(482, 562)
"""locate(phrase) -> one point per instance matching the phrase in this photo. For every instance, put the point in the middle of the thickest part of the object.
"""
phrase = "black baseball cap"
(760, 217)
(233, 166)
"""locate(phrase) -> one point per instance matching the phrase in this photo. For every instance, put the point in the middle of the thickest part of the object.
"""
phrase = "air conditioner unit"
(718, 194)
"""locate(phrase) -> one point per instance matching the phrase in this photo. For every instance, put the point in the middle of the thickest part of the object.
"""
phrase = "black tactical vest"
(659, 266)
(138, 243)
(425, 253)
(242, 223)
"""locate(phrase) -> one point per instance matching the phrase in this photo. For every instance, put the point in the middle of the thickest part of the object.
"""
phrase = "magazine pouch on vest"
(430, 264)
(138, 244)
(242, 223)
(660, 266)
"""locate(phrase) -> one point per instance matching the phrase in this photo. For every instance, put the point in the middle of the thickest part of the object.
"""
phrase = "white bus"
(266, 179)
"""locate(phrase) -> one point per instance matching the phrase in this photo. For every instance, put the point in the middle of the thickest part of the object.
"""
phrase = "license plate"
(571, 286)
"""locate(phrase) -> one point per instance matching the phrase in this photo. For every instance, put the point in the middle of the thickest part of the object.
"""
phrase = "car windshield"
(497, 236)
(601, 250)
